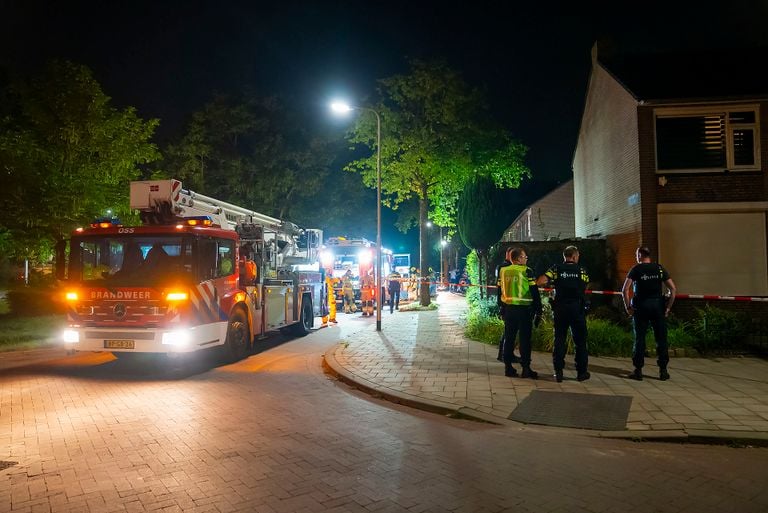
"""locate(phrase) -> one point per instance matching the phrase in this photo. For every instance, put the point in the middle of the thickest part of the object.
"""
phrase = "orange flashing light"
(176, 296)
(71, 295)
(199, 221)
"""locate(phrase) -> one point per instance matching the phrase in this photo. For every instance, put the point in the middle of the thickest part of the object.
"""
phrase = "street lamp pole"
(379, 295)
(342, 108)
(442, 243)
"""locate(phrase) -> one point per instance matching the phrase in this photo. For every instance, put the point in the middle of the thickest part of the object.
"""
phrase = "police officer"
(521, 302)
(647, 305)
(393, 285)
(500, 303)
(570, 281)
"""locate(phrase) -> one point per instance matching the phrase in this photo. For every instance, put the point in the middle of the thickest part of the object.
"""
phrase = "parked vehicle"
(199, 273)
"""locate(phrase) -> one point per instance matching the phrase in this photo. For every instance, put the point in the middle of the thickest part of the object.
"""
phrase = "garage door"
(714, 252)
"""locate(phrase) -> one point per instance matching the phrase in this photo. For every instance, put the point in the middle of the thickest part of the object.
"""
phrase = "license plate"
(119, 344)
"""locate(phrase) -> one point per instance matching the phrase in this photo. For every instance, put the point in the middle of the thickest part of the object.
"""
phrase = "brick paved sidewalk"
(422, 359)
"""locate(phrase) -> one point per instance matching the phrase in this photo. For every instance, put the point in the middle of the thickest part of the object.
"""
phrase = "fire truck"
(357, 255)
(199, 273)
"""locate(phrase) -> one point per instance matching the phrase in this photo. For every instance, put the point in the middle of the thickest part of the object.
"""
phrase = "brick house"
(550, 218)
(672, 153)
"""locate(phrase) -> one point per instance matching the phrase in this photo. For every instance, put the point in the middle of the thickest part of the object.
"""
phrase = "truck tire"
(306, 319)
(238, 338)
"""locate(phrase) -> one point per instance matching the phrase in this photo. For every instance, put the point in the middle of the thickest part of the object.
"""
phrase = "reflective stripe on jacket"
(516, 282)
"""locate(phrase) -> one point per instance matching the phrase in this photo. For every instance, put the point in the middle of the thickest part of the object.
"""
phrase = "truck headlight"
(176, 338)
(70, 336)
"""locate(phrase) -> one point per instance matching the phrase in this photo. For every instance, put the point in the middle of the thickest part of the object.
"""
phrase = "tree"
(66, 154)
(435, 137)
(258, 153)
(482, 218)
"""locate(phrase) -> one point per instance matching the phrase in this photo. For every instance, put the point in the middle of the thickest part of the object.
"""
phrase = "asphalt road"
(273, 433)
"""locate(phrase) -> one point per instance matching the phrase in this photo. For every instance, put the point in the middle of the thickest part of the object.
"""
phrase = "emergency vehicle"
(401, 263)
(344, 254)
(199, 273)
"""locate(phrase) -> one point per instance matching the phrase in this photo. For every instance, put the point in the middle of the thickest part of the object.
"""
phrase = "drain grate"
(7, 464)
(585, 411)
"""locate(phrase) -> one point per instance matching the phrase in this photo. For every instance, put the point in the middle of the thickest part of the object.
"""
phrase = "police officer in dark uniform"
(570, 281)
(647, 305)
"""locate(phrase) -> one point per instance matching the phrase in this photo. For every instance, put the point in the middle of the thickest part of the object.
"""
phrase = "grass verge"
(19, 333)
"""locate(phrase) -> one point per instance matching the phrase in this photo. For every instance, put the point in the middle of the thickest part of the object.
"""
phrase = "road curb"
(334, 368)
(693, 436)
(731, 438)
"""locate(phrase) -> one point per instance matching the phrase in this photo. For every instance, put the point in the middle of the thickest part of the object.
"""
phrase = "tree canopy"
(258, 153)
(436, 135)
(482, 217)
(66, 154)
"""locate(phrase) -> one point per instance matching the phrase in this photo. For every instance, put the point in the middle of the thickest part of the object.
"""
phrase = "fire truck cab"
(199, 273)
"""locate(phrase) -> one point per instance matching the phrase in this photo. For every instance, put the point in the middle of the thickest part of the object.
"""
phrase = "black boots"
(510, 371)
(637, 375)
(581, 376)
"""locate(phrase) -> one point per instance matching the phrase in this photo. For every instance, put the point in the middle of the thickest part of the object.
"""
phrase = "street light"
(343, 108)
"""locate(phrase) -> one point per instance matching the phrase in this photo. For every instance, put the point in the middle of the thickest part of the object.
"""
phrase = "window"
(226, 258)
(707, 141)
(130, 260)
(216, 258)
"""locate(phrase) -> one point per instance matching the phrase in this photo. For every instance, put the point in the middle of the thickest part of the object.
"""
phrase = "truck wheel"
(237, 343)
(306, 320)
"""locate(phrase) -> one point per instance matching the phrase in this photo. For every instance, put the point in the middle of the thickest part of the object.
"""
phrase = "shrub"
(483, 322)
(716, 329)
(613, 314)
(605, 338)
(32, 301)
(543, 338)
(483, 328)
(680, 334)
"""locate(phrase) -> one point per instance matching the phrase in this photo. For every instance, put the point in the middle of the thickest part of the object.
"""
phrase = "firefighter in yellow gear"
(367, 293)
(348, 292)
(330, 282)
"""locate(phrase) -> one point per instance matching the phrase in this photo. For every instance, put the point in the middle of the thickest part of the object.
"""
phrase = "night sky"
(168, 58)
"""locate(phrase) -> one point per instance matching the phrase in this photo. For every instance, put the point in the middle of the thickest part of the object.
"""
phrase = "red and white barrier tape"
(708, 297)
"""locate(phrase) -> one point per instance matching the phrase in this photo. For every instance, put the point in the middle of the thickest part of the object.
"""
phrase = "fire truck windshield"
(144, 260)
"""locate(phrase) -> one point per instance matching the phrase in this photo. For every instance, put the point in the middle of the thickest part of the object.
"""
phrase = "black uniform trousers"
(394, 299)
(570, 315)
(518, 318)
(650, 311)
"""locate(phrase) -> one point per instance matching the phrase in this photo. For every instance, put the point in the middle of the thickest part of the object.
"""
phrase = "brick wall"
(606, 168)
(741, 186)
(648, 178)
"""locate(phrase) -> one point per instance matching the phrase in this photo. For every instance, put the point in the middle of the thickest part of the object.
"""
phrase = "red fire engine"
(199, 273)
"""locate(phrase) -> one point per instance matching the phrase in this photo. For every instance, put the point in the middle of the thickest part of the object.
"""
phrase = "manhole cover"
(585, 411)
(7, 464)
